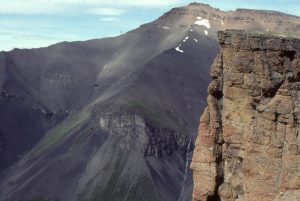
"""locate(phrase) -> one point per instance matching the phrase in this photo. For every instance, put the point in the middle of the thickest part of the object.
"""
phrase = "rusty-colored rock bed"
(248, 147)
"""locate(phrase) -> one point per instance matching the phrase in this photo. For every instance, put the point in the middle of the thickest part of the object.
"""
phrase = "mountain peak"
(193, 8)
(199, 4)
(245, 19)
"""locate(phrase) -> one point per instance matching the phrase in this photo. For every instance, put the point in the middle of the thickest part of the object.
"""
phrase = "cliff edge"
(248, 147)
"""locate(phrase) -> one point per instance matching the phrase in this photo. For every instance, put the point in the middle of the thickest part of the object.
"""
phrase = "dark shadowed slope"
(40, 87)
(127, 108)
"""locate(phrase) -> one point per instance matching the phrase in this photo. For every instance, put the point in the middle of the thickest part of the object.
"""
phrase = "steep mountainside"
(114, 118)
(248, 146)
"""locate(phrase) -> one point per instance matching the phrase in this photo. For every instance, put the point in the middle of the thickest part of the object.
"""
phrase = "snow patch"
(105, 66)
(195, 40)
(199, 18)
(206, 32)
(191, 30)
(222, 22)
(186, 38)
(203, 22)
(267, 29)
(178, 48)
(166, 28)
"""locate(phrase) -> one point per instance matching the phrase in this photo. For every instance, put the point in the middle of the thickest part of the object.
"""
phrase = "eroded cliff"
(248, 146)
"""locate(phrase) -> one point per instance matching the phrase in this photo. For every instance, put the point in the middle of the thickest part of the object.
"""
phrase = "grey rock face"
(163, 142)
(154, 141)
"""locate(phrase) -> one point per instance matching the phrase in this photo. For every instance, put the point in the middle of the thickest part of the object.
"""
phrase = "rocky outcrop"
(248, 146)
(163, 142)
(155, 141)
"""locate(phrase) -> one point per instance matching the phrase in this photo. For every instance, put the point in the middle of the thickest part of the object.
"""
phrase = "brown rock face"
(248, 146)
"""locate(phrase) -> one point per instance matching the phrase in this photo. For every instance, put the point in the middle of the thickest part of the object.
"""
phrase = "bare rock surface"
(248, 147)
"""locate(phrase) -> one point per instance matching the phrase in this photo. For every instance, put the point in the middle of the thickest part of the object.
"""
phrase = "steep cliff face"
(248, 146)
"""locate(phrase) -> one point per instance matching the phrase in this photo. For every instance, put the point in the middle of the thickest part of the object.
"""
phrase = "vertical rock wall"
(248, 146)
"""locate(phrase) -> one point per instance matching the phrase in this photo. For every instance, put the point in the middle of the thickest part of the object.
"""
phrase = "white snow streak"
(166, 28)
(222, 22)
(178, 49)
(186, 38)
(206, 32)
(203, 22)
(195, 40)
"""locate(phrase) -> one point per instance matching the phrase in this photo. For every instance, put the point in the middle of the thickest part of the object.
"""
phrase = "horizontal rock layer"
(248, 147)
(157, 142)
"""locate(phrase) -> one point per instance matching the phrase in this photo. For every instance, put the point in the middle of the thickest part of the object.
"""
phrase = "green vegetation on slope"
(158, 115)
(60, 132)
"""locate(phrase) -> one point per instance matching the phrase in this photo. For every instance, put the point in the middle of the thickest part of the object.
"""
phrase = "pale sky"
(39, 23)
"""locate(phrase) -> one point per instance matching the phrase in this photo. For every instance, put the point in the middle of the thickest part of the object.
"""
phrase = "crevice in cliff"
(289, 54)
(296, 78)
(220, 174)
(218, 95)
(214, 197)
(219, 140)
(273, 91)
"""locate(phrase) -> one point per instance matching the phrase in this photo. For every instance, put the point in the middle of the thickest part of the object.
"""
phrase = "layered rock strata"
(155, 142)
(248, 147)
